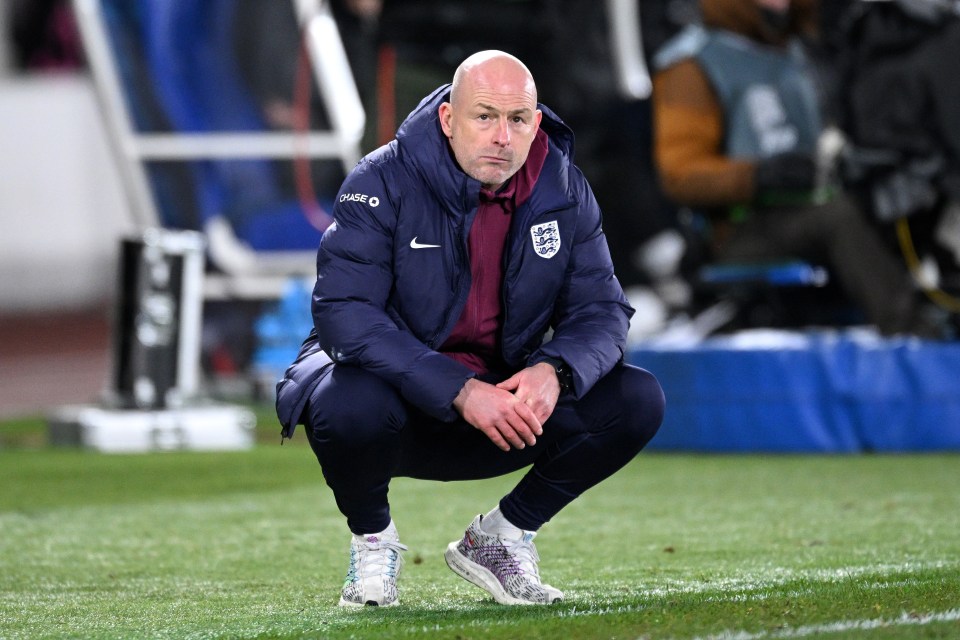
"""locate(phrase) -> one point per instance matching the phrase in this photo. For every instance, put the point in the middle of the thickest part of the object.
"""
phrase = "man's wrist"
(564, 373)
(461, 398)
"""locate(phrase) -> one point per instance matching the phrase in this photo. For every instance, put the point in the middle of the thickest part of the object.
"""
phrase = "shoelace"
(525, 554)
(377, 558)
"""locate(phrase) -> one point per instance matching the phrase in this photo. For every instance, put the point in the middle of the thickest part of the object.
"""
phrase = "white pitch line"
(905, 620)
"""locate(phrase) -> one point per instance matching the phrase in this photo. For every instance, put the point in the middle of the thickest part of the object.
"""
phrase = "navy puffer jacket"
(393, 272)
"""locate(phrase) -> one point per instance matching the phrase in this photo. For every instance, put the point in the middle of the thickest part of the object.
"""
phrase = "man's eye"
(483, 116)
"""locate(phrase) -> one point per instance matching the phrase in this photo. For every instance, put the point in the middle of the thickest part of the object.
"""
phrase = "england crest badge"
(546, 238)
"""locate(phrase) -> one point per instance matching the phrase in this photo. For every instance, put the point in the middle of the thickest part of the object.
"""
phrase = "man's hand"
(501, 415)
(537, 387)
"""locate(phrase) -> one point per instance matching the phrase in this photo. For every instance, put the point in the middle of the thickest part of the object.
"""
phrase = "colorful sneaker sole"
(480, 576)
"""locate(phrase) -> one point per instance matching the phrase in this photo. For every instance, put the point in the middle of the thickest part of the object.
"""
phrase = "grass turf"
(250, 545)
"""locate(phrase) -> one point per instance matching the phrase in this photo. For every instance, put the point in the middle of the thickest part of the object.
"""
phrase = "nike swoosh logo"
(416, 245)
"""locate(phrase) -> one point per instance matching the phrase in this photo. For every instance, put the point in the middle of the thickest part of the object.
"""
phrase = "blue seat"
(780, 293)
(189, 82)
(793, 273)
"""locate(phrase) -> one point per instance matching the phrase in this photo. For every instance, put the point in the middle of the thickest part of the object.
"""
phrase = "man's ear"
(445, 113)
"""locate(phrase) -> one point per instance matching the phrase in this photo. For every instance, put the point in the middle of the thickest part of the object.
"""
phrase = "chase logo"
(373, 201)
(546, 238)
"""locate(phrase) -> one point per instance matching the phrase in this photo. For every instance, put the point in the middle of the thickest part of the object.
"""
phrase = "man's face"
(492, 121)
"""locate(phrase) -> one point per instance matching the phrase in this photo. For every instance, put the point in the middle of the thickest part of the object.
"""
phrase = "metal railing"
(245, 273)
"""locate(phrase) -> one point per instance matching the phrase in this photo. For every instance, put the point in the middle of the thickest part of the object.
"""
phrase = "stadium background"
(63, 212)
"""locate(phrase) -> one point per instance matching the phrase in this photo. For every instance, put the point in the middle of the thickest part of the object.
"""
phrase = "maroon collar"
(516, 191)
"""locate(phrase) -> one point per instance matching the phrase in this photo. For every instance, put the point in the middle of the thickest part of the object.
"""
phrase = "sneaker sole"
(480, 576)
(368, 603)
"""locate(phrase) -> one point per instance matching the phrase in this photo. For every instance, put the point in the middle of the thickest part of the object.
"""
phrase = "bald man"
(456, 249)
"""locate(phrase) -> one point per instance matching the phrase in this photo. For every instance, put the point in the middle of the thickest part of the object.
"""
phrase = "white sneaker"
(375, 564)
(506, 569)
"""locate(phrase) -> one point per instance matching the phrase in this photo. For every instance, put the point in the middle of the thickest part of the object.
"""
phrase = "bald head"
(492, 67)
(492, 117)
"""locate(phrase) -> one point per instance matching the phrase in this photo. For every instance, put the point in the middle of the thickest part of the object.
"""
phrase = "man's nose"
(502, 133)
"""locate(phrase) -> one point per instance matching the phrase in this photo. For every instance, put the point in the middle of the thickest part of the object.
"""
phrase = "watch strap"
(564, 373)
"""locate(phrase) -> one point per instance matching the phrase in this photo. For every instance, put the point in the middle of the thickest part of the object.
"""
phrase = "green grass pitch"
(250, 545)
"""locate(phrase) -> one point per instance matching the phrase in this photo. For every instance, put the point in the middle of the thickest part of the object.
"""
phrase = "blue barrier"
(785, 274)
(813, 392)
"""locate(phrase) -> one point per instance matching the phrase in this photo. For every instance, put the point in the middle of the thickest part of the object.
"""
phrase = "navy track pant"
(364, 434)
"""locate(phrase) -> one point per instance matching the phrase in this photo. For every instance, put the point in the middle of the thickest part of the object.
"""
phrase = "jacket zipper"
(460, 296)
(509, 253)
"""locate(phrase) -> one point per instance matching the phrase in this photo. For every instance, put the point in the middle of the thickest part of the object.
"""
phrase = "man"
(454, 249)
(737, 129)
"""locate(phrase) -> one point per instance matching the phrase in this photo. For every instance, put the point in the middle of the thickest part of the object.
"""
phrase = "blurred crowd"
(776, 132)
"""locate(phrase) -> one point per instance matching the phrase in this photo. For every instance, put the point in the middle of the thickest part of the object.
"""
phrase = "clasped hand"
(511, 413)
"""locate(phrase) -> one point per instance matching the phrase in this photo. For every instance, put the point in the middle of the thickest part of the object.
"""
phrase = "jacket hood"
(744, 17)
(424, 145)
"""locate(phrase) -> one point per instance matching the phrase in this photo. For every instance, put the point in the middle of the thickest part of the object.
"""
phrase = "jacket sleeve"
(688, 147)
(350, 297)
(591, 315)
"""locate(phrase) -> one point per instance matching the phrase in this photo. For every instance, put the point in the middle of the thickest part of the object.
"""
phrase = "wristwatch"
(564, 374)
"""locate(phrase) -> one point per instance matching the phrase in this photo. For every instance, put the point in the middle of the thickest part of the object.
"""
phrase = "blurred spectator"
(359, 24)
(662, 19)
(268, 46)
(269, 49)
(900, 109)
(738, 130)
(577, 74)
(45, 36)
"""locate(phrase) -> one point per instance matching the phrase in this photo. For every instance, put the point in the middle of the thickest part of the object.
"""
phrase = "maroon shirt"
(475, 340)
